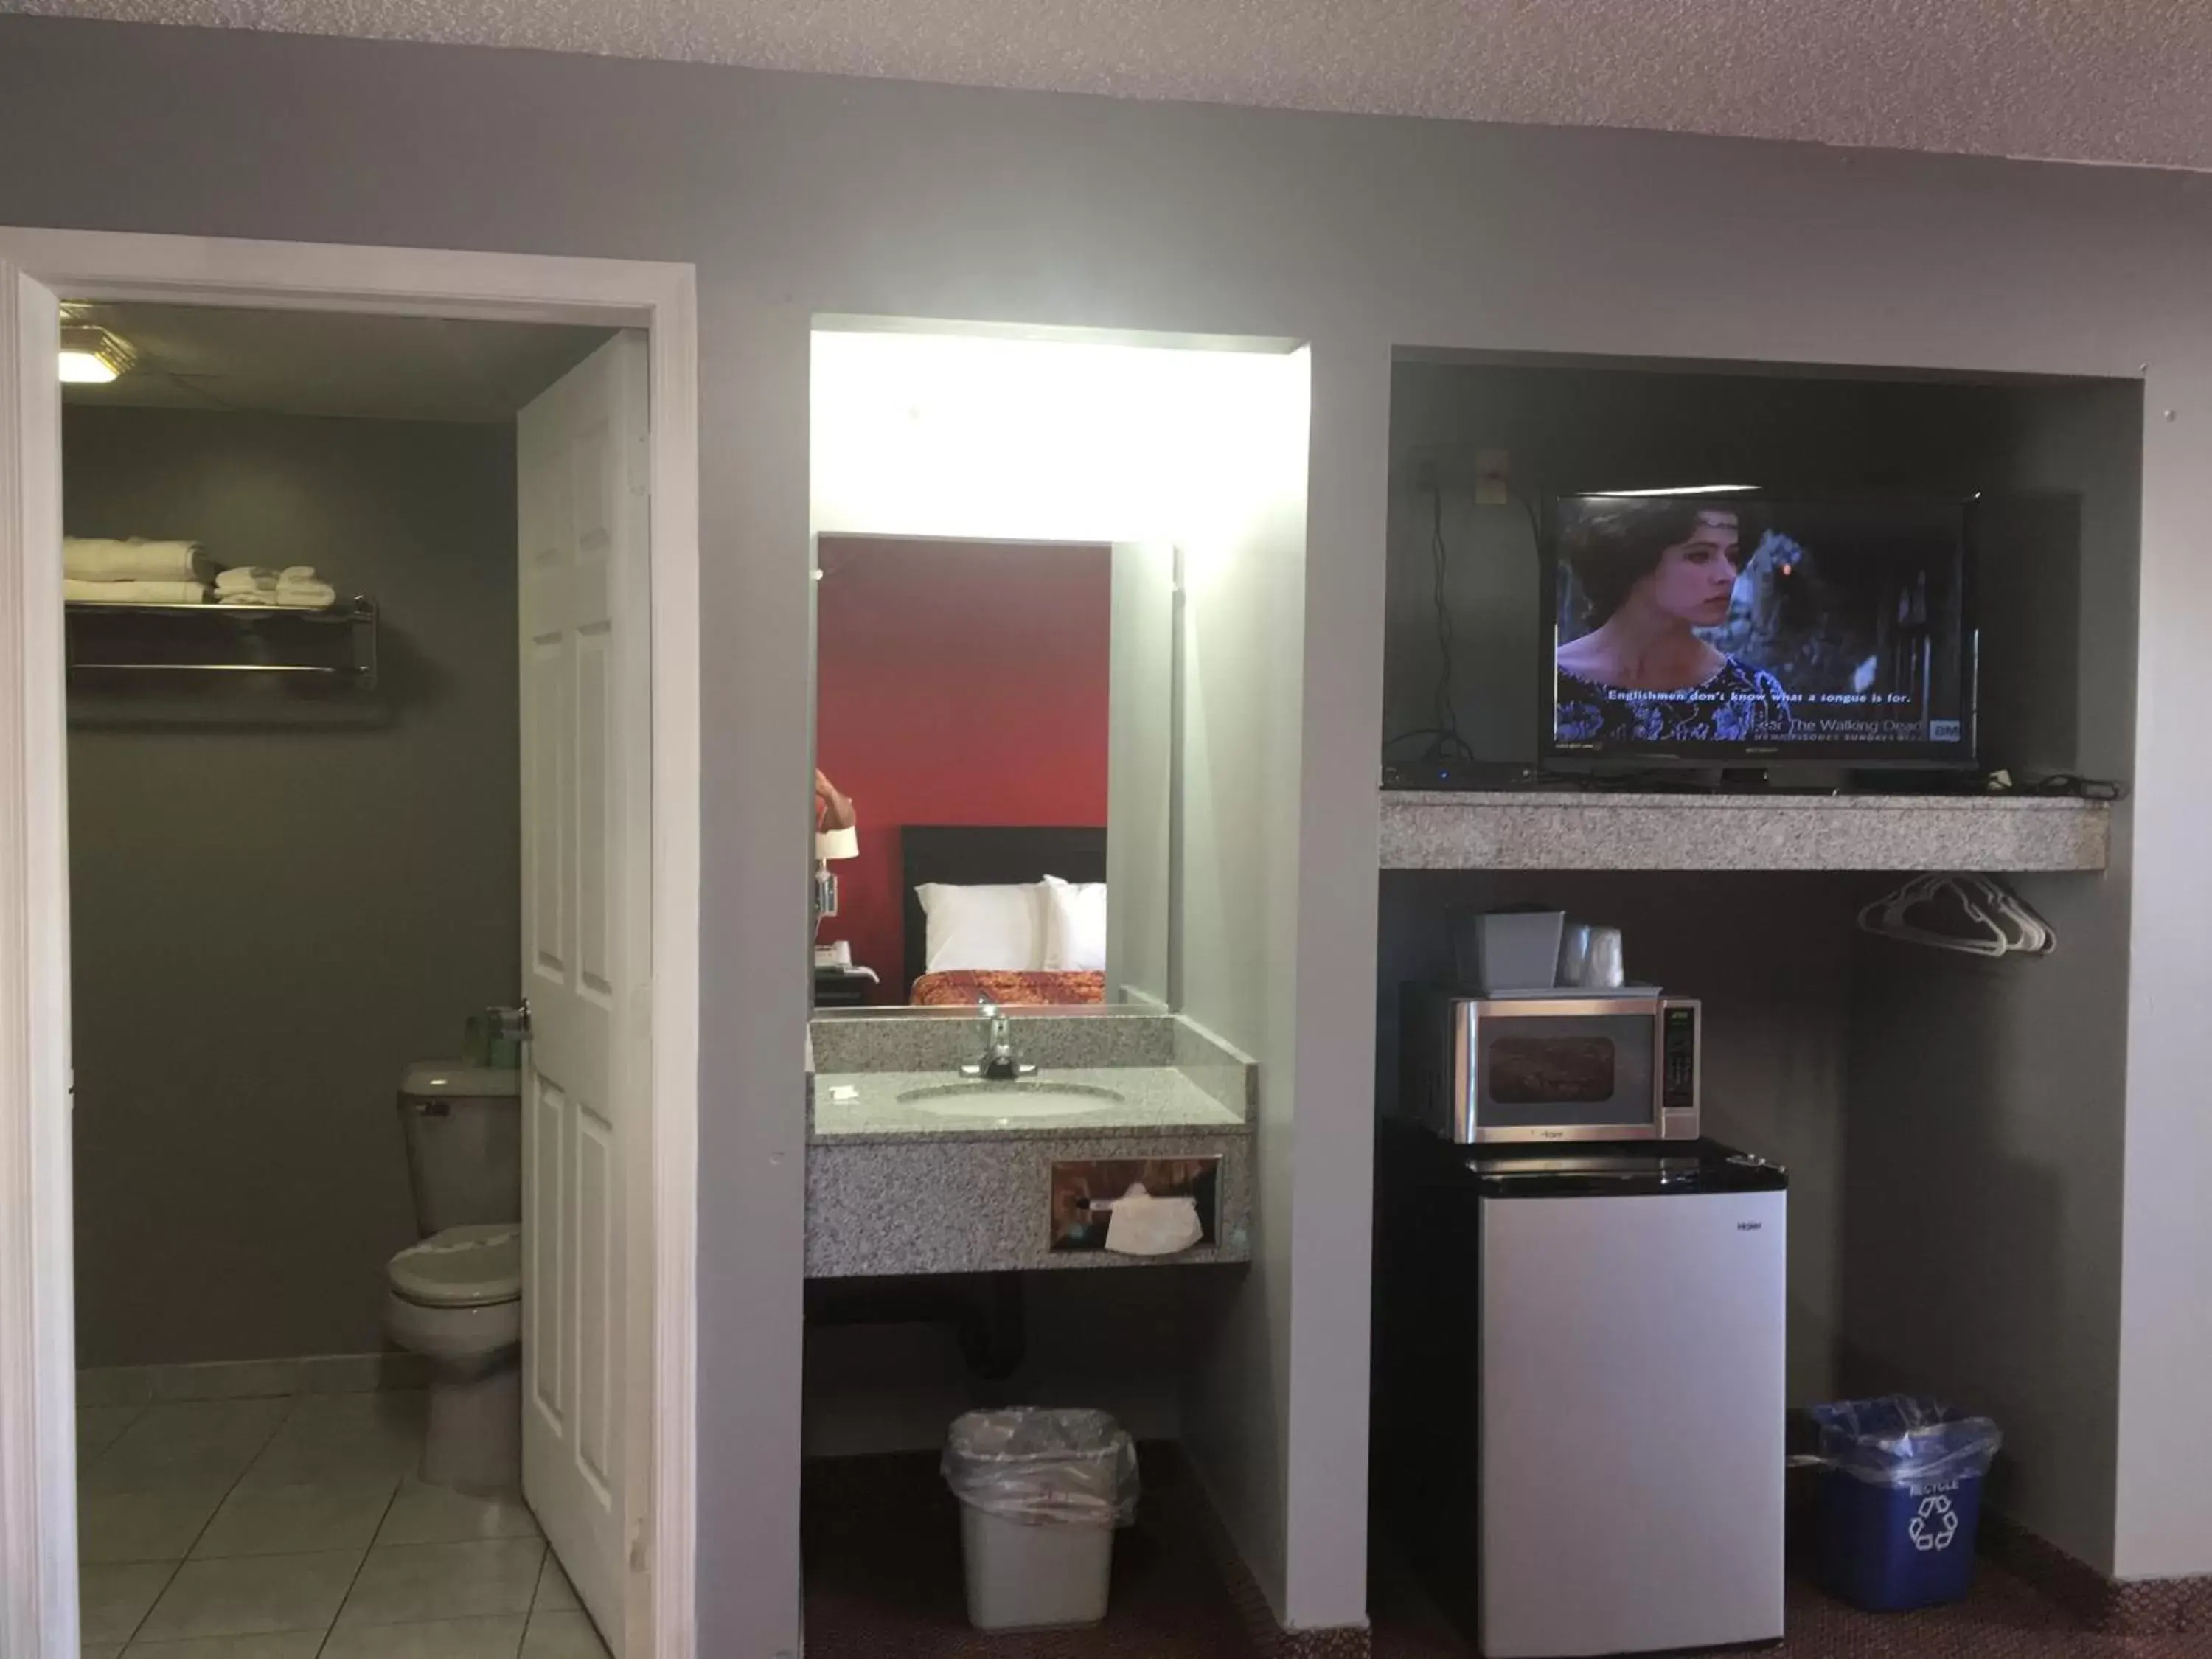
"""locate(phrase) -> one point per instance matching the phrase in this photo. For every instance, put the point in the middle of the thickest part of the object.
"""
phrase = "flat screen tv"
(1736, 630)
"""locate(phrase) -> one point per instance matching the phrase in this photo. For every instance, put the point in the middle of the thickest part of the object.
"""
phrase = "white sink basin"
(1019, 1098)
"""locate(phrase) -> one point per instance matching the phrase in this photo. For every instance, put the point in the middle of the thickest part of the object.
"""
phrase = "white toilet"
(456, 1297)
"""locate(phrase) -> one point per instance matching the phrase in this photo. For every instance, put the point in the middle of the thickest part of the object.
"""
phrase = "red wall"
(958, 683)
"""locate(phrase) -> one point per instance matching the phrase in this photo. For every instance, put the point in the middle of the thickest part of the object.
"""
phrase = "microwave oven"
(1564, 1065)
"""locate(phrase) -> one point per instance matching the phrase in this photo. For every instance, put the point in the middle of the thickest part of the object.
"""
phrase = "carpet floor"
(882, 1540)
(882, 1543)
(2004, 1618)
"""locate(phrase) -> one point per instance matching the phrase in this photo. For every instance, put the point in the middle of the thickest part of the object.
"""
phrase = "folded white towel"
(296, 573)
(311, 597)
(90, 559)
(245, 578)
(139, 592)
(1143, 1225)
(308, 596)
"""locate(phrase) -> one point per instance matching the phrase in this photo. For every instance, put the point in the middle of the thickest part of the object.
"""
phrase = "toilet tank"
(463, 1126)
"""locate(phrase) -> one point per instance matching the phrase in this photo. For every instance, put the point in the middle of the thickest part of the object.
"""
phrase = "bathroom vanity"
(918, 1163)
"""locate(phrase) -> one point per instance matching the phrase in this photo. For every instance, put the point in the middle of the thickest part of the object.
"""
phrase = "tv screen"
(1731, 628)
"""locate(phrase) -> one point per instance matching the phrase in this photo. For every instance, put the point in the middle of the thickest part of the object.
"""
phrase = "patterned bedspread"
(1007, 989)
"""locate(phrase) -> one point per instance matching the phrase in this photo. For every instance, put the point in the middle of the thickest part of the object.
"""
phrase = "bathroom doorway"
(367, 809)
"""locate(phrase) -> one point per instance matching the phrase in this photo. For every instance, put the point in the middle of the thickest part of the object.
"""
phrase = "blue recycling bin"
(1901, 1493)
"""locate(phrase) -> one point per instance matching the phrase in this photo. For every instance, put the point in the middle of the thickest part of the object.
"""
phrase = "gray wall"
(1231, 758)
(795, 196)
(1954, 1131)
(1117, 1341)
(1141, 720)
(1770, 955)
(276, 906)
(1982, 1204)
(1244, 580)
(1571, 426)
(1990, 1113)
(1565, 428)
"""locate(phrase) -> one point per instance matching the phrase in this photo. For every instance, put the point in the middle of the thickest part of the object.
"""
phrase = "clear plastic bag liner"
(1042, 1465)
(1901, 1440)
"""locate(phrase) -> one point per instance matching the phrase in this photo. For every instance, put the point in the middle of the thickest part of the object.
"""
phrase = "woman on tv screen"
(1648, 574)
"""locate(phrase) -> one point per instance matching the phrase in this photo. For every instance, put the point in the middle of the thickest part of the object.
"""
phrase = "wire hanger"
(2027, 932)
(1971, 913)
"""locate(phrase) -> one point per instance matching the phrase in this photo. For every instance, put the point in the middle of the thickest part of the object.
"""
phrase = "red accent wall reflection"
(958, 683)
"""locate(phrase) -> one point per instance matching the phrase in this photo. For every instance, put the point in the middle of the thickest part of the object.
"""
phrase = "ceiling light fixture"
(90, 355)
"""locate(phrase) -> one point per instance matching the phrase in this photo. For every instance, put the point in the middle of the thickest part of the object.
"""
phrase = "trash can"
(1041, 1492)
(1900, 1492)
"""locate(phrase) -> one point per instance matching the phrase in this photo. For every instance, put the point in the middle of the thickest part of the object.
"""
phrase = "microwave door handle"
(1467, 1070)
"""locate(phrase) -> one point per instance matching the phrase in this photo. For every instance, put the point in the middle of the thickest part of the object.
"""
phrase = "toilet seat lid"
(461, 1267)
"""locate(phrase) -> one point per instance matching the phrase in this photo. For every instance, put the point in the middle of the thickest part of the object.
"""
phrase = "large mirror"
(994, 802)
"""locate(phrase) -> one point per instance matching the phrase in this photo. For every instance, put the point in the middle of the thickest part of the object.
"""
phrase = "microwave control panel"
(1678, 1051)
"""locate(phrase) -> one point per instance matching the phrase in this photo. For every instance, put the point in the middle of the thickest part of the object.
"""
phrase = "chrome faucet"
(998, 1064)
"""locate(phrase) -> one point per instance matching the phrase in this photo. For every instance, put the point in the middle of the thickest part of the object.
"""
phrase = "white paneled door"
(38, 1476)
(581, 454)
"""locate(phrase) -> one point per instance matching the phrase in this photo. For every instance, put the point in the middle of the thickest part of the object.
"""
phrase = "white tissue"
(1142, 1225)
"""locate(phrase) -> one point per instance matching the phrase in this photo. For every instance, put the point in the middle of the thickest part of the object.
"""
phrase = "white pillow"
(999, 928)
(1074, 926)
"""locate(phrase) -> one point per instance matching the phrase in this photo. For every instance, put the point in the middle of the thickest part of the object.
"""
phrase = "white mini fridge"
(1628, 1486)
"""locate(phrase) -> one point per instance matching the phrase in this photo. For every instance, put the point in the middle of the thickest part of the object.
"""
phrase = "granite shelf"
(1552, 830)
(891, 1191)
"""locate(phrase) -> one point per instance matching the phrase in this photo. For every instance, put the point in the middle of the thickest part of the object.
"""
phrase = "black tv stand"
(1516, 777)
(1751, 781)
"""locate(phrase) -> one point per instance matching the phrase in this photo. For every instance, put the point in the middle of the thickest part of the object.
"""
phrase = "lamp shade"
(833, 844)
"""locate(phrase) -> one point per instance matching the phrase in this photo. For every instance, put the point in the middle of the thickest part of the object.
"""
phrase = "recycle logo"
(1935, 1526)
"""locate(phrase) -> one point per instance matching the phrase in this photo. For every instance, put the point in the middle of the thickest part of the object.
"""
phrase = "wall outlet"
(1494, 480)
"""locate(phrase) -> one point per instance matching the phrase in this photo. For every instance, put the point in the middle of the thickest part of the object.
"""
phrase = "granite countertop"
(1549, 830)
(1614, 800)
(1153, 1098)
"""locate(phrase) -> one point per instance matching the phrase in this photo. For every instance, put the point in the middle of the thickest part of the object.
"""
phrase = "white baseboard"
(244, 1379)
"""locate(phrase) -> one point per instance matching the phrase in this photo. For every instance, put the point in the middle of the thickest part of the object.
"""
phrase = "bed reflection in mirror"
(994, 803)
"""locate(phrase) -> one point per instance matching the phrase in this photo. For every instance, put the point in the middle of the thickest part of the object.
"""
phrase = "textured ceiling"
(2083, 80)
(311, 363)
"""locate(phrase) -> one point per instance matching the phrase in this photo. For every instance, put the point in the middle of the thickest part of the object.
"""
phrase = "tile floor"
(294, 1528)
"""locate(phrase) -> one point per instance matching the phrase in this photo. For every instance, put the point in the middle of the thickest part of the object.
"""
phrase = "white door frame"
(38, 1366)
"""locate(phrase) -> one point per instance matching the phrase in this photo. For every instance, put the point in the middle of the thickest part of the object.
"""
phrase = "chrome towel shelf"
(338, 642)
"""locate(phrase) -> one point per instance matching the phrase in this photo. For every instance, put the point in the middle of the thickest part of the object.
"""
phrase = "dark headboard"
(985, 855)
